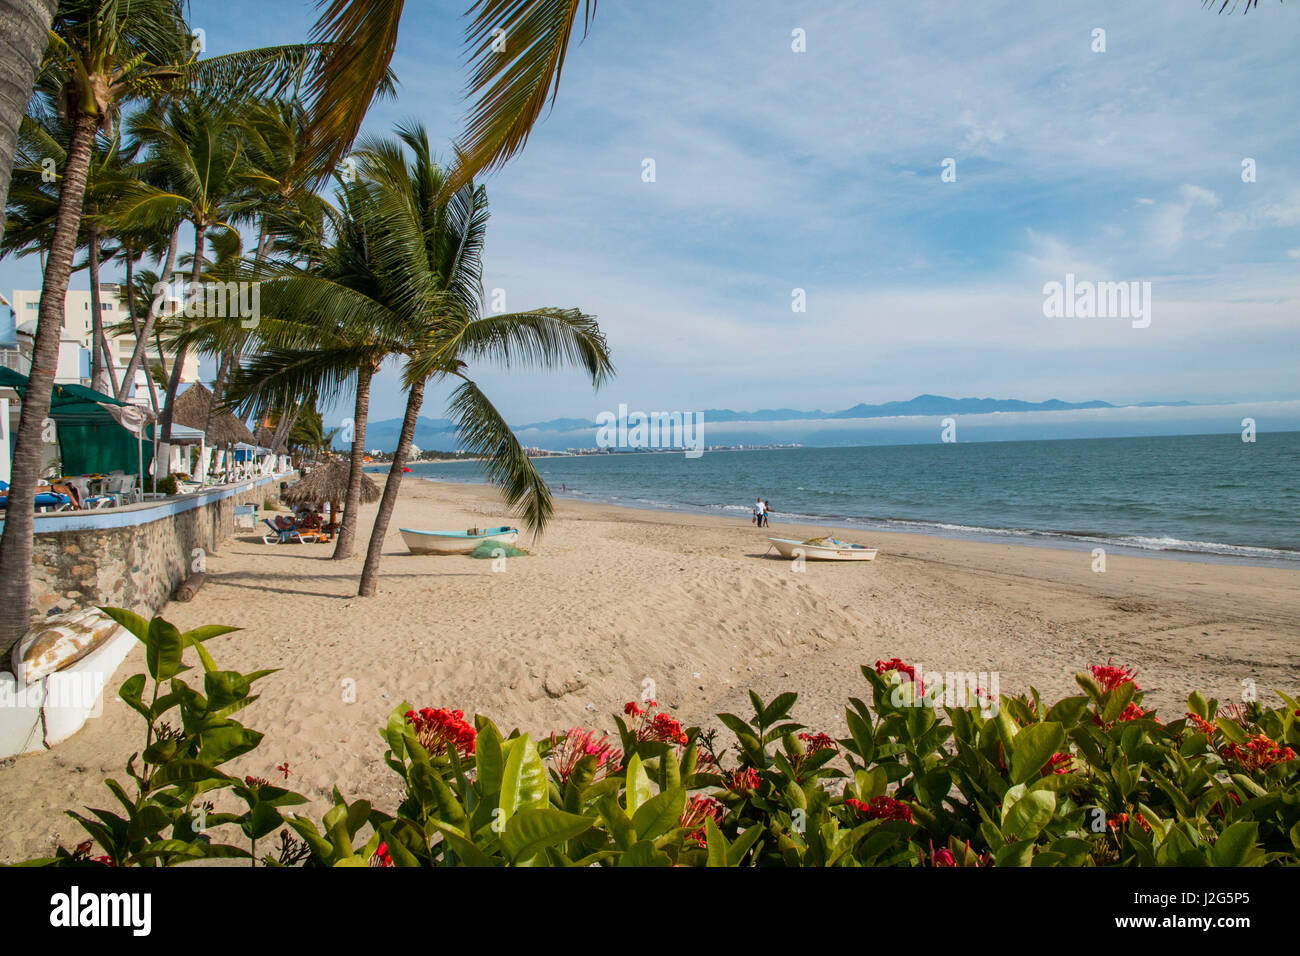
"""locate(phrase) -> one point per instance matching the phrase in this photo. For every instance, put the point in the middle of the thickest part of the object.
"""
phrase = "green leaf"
(132, 691)
(163, 649)
(660, 813)
(779, 708)
(532, 830)
(523, 778)
(489, 761)
(1033, 747)
(1026, 816)
(1116, 701)
(638, 784)
(185, 771)
(465, 850)
(716, 844)
(1236, 844)
(208, 631)
(1231, 730)
(131, 621)
(644, 854)
(617, 822)
(736, 852)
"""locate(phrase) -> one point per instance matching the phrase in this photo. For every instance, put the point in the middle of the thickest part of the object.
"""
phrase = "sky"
(823, 171)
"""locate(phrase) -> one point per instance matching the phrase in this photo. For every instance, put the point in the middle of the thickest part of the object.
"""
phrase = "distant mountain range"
(560, 433)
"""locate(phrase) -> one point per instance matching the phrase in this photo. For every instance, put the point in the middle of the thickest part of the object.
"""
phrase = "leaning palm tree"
(318, 337)
(426, 268)
(403, 279)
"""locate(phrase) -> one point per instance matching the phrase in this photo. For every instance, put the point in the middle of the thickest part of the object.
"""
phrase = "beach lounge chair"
(281, 534)
(45, 500)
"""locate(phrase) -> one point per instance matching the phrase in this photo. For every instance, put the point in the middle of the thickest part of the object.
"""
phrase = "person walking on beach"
(758, 512)
(767, 511)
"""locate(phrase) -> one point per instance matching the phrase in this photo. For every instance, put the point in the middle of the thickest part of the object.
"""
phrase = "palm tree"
(425, 268)
(195, 153)
(99, 54)
(321, 333)
(34, 205)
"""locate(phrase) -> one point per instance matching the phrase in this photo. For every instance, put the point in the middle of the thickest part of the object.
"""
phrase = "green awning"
(92, 438)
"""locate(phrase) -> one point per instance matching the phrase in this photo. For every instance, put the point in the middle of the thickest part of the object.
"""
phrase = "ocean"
(1208, 496)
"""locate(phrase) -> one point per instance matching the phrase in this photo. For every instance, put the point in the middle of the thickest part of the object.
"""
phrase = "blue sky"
(820, 170)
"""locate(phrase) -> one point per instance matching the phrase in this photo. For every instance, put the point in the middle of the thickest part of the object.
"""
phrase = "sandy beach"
(611, 598)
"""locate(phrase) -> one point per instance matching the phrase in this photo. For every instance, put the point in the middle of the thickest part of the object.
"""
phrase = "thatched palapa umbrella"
(191, 410)
(329, 482)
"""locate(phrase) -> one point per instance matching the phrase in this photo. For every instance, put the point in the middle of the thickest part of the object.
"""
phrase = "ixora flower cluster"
(438, 730)
(1093, 779)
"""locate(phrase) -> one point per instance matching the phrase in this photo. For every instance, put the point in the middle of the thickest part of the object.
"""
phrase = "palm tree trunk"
(101, 364)
(142, 336)
(141, 342)
(16, 544)
(218, 386)
(24, 34)
(288, 418)
(96, 317)
(348, 530)
(195, 295)
(414, 399)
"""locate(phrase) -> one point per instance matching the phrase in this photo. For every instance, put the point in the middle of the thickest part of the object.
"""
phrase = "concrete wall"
(135, 556)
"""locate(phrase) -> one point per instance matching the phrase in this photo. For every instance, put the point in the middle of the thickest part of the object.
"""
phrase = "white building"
(75, 337)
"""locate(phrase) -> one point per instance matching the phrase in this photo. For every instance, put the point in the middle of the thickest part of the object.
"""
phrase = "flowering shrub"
(1093, 779)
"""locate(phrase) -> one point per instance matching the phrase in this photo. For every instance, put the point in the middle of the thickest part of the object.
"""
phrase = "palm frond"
(278, 377)
(361, 36)
(541, 338)
(516, 50)
(507, 465)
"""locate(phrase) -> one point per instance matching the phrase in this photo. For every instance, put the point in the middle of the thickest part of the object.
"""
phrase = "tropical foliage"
(1094, 779)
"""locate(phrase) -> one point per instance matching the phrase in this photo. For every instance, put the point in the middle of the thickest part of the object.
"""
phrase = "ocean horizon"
(1204, 497)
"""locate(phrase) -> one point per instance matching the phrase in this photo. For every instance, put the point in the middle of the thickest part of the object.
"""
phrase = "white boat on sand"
(823, 549)
(455, 542)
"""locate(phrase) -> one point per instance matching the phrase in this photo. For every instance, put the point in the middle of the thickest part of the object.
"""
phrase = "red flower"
(667, 729)
(660, 727)
(1260, 753)
(1131, 712)
(1204, 726)
(882, 808)
(284, 769)
(697, 811)
(896, 664)
(1059, 764)
(1121, 819)
(1110, 676)
(816, 742)
(381, 856)
(568, 750)
(743, 781)
(943, 858)
(438, 730)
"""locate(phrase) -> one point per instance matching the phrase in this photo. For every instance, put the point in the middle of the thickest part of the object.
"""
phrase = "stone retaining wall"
(133, 557)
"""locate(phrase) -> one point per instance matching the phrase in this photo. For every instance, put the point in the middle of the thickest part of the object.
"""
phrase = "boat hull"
(454, 542)
(818, 552)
